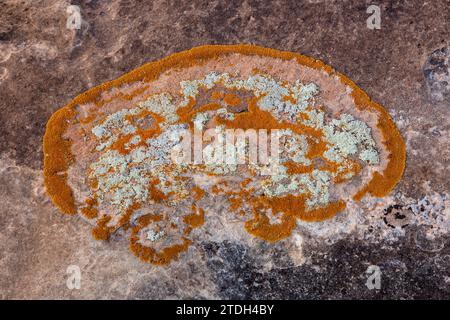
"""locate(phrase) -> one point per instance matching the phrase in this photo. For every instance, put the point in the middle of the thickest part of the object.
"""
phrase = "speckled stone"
(437, 74)
(43, 65)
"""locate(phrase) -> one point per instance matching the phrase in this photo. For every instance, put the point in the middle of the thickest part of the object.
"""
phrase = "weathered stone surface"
(437, 74)
(43, 65)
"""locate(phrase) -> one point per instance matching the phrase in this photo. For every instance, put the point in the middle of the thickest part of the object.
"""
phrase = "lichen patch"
(109, 155)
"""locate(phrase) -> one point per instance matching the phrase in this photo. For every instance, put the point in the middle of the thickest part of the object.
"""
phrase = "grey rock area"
(437, 73)
(404, 66)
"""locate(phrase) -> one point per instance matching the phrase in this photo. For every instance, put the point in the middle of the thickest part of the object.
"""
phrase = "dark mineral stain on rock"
(406, 273)
(437, 74)
(397, 216)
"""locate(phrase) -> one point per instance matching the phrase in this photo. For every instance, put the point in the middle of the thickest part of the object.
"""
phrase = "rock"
(48, 65)
(437, 74)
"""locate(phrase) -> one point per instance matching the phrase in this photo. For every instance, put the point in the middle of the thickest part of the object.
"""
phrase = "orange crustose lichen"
(282, 137)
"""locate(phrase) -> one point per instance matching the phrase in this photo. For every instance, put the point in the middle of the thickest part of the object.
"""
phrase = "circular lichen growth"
(282, 137)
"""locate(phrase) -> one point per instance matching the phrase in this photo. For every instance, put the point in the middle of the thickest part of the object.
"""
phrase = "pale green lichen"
(200, 119)
(162, 105)
(153, 236)
(346, 137)
(349, 136)
(126, 176)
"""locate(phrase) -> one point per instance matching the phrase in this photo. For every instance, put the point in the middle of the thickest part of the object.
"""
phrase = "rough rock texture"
(403, 66)
(437, 73)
